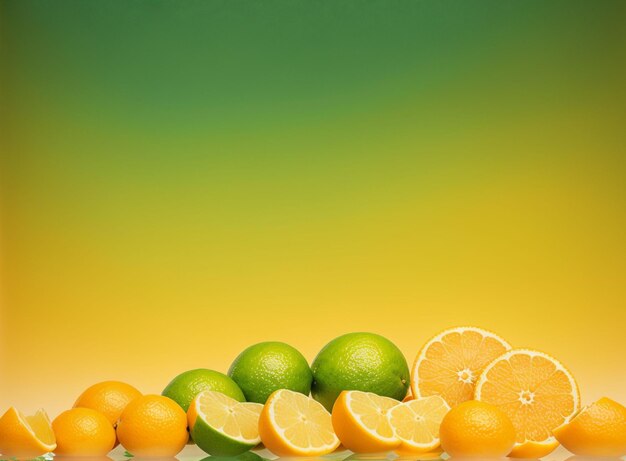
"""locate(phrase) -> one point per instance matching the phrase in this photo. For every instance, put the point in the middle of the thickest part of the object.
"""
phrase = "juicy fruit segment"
(416, 423)
(360, 421)
(25, 436)
(108, 397)
(292, 424)
(535, 391)
(475, 428)
(450, 363)
(153, 425)
(83, 432)
(266, 367)
(222, 426)
(598, 430)
(359, 361)
(184, 387)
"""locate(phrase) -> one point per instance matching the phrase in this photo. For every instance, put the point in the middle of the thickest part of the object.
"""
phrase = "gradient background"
(180, 180)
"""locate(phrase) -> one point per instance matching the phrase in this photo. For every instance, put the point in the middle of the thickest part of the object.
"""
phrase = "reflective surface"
(193, 453)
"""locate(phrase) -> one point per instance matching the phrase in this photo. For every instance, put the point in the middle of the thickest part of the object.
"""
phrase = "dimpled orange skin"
(153, 425)
(83, 432)
(598, 430)
(109, 398)
(475, 428)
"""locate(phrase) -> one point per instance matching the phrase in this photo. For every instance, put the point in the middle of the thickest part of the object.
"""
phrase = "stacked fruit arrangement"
(469, 393)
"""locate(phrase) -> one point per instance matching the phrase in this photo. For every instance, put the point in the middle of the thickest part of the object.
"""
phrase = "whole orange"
(153, 425)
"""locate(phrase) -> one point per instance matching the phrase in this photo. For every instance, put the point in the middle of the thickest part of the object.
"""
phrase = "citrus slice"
(26, 436)
(222, 426)
(416, 423)
(292, 424)
(598, 430)
(449, 364)
(536, 392)
(360, 421)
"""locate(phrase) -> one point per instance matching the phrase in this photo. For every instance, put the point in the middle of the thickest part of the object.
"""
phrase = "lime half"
(222, 426)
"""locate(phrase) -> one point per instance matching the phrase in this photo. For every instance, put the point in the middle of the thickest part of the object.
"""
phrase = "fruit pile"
(469, 393)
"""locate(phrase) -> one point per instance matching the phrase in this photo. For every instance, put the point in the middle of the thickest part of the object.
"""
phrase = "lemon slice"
(536, 392)
(416, 423)
(221, 425)
(360, 421)
(26, 436)
(450, 363)
(292, 424)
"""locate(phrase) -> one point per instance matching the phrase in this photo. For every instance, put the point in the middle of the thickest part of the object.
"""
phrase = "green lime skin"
(266, 367)
(359, 362)
(184, 387)
(216, 443)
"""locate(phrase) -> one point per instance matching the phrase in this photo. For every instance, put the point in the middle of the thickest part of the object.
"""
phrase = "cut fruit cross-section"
(536, 392)
(360, 421)
(292, 424)
(449, 364)
(25, 436)
(416, 423)
(222, 426)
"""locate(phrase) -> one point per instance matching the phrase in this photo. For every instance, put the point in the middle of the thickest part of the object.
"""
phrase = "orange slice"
(598, 430)
(449, 364)
(25, 436)
(416, 423)
(292, 424)
(360, 422)
(536, 392)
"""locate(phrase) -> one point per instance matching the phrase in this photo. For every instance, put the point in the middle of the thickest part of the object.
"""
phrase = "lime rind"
(216, 443)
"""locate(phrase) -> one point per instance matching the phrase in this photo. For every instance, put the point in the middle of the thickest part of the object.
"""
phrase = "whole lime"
(184, 387)
(362, 362)
(266, 367)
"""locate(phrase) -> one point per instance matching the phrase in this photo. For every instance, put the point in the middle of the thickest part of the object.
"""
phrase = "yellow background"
(181, 182)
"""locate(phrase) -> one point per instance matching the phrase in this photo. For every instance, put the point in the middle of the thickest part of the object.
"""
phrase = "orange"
(292, 424)
(475, 428)
(360, 421)
(25, 437)
(536, 392)
(416, 423)
(153, 425)
(449, 364)
(109, 398)
(598, 430)
(83, 432)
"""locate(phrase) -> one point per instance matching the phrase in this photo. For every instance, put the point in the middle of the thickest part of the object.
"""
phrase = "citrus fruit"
(266, 367)
(449, 364)
(360, 421)
(83, 432)
(221, 425)
(359, 362)
(416, 423)
(475, 428)
(598, 430)
(536, 392)
(292, 424)
(108, 397)
(153, 425)
(25, 436)
(184, 387)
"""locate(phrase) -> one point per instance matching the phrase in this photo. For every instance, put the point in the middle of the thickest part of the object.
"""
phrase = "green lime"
(184, 387)
(222, 426)
(359, 362)
(266, 367)
(247, 456)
